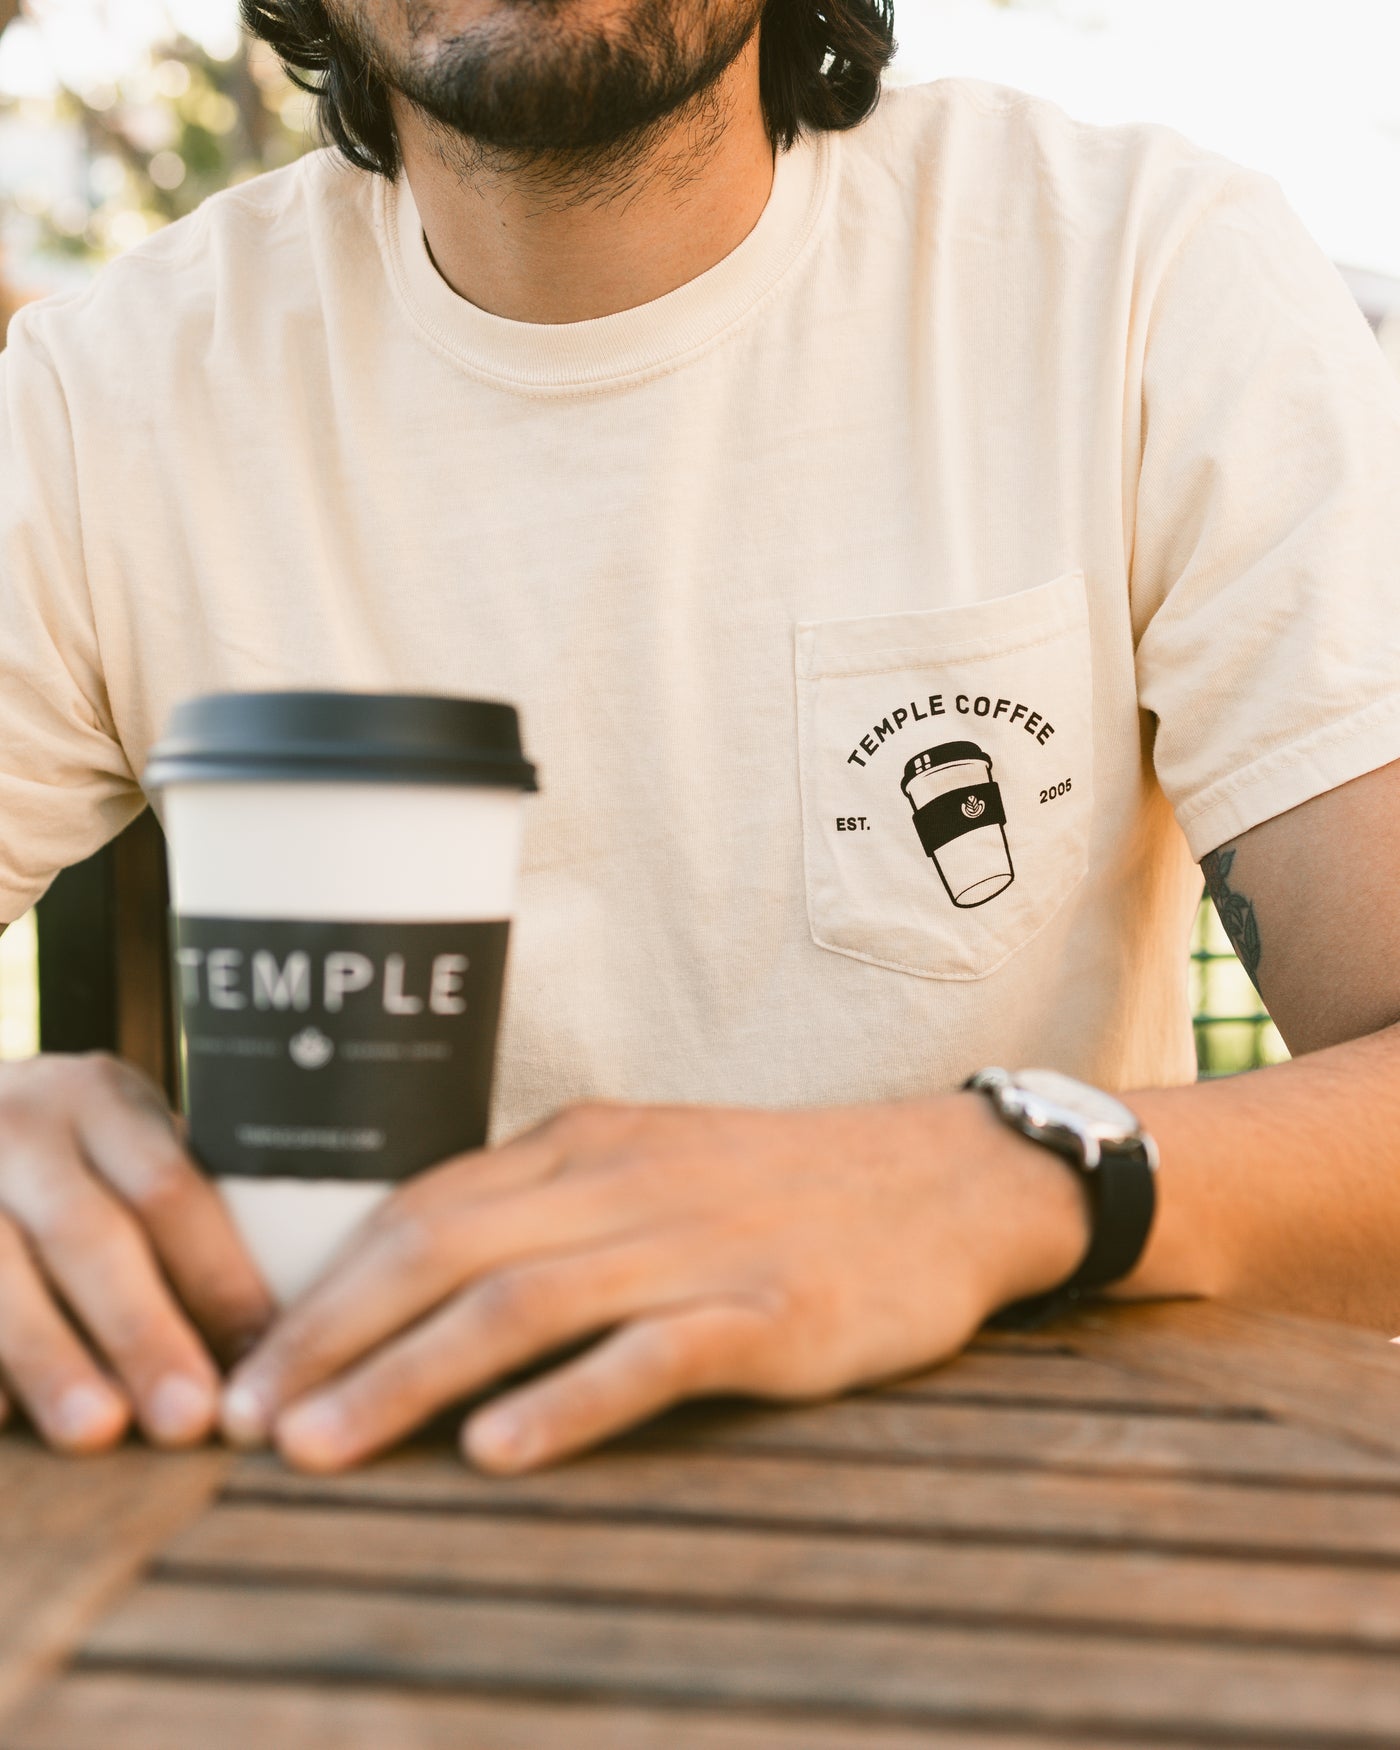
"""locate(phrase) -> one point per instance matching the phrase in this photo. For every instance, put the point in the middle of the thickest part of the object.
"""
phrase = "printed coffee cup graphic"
(960, 820)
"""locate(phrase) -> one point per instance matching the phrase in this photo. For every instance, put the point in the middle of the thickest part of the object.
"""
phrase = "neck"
(550, 240)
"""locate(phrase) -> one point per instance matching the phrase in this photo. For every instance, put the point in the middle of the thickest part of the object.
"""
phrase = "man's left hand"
(689, 1250)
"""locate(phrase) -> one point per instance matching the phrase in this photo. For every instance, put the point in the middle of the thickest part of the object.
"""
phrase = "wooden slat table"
(1159, 1526)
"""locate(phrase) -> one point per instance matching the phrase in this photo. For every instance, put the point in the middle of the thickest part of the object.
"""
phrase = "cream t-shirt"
(895, 612)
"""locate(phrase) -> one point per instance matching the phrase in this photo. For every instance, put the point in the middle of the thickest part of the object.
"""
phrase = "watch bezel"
(1044, 1113)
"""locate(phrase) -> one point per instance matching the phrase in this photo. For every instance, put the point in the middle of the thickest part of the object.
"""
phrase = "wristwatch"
(1105, 1144)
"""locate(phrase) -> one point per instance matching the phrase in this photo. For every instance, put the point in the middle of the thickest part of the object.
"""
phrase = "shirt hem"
(1290, 776)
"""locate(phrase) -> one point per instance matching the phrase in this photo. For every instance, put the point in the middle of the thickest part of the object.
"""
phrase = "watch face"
(1056, 1098)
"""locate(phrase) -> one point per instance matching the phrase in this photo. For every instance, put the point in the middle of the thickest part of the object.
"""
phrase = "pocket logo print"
(960, 820)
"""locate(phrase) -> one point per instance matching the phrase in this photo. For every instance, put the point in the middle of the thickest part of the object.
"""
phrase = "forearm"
(1282, 1187)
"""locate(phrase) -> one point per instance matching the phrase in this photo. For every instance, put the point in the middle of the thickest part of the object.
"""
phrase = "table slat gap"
(849, 1570)
(1125, 1406)
(739, 1609)
(455, 1485)
(976, 1730)
(1014, 1436)
(1019, 1374)
(847, 1670)
(1052, 1341)
(1086, 1535)
(991, 1725)
(986, 1463)
(1322, 1555)
(181, 1710)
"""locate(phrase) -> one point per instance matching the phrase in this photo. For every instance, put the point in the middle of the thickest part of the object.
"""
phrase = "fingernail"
(313, 1432)
(178, 1409)
(501, 1438)
(85, 1412)
(244, 1416)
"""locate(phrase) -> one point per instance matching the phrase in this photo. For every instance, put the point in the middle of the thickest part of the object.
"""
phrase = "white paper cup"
(342, 872)
(960, 820)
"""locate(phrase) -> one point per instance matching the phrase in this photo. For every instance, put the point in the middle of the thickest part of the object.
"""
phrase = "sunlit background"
(117, 116)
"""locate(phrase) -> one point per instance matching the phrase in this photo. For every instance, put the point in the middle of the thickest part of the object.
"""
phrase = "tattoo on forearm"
(1235, 908)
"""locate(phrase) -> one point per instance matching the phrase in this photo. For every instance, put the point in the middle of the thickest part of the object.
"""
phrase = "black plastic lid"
(398, 738)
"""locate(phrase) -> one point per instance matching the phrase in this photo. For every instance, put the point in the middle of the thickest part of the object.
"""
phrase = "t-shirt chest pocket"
(947, 777)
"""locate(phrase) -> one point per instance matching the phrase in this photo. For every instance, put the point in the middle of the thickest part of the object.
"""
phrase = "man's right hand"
(115, 1254)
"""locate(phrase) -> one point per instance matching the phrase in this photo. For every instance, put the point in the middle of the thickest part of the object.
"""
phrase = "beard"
(529, 85)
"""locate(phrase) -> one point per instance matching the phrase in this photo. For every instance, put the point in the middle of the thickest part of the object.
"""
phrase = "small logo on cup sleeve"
(973, 807)
(311, 1048)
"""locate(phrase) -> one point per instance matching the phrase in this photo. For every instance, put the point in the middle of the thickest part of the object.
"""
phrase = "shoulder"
(249, 262)
(999, 165)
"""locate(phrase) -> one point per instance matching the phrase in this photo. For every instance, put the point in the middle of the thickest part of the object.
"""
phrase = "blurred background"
(119, 116)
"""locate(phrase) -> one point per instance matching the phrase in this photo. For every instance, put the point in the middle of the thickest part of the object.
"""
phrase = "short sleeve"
(1266, 542)
(65, 784)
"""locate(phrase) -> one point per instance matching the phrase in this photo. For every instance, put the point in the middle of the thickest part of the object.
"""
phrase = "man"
(915, 539)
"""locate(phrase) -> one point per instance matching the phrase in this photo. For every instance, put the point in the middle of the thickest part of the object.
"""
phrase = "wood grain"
(1316, 1375)
(1115, 1591)
(1010, 1679)
(894, 1500)
(134, 1711)
(1050, 1379)
(1125, 1531)
(73, 1534)
(1006, 1435)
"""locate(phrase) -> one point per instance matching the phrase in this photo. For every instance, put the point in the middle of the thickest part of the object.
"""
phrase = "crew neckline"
(545, 357)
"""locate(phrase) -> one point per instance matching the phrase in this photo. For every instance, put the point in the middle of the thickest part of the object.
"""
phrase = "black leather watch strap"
(1123, 1198)
(1123, 1189)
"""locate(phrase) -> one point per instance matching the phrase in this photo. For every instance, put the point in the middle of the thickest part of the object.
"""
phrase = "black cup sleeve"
(956, 812)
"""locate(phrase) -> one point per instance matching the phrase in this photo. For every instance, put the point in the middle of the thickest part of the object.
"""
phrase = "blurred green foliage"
(1233, 1029)
(176, 128)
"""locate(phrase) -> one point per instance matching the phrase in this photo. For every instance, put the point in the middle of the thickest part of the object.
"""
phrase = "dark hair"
(819, 67)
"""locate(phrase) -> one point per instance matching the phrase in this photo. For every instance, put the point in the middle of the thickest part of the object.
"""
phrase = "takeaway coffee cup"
(960, 820)
(342, 870)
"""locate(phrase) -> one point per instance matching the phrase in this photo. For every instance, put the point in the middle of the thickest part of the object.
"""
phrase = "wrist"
(1186, 1254)
(1036, 1213)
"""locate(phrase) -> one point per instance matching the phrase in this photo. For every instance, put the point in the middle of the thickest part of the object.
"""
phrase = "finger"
(437, 1233)
(72, 1404)
(132, 1140)
(641, 1370)
(90, 1248)
(505, 1321)
(414, 1253)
